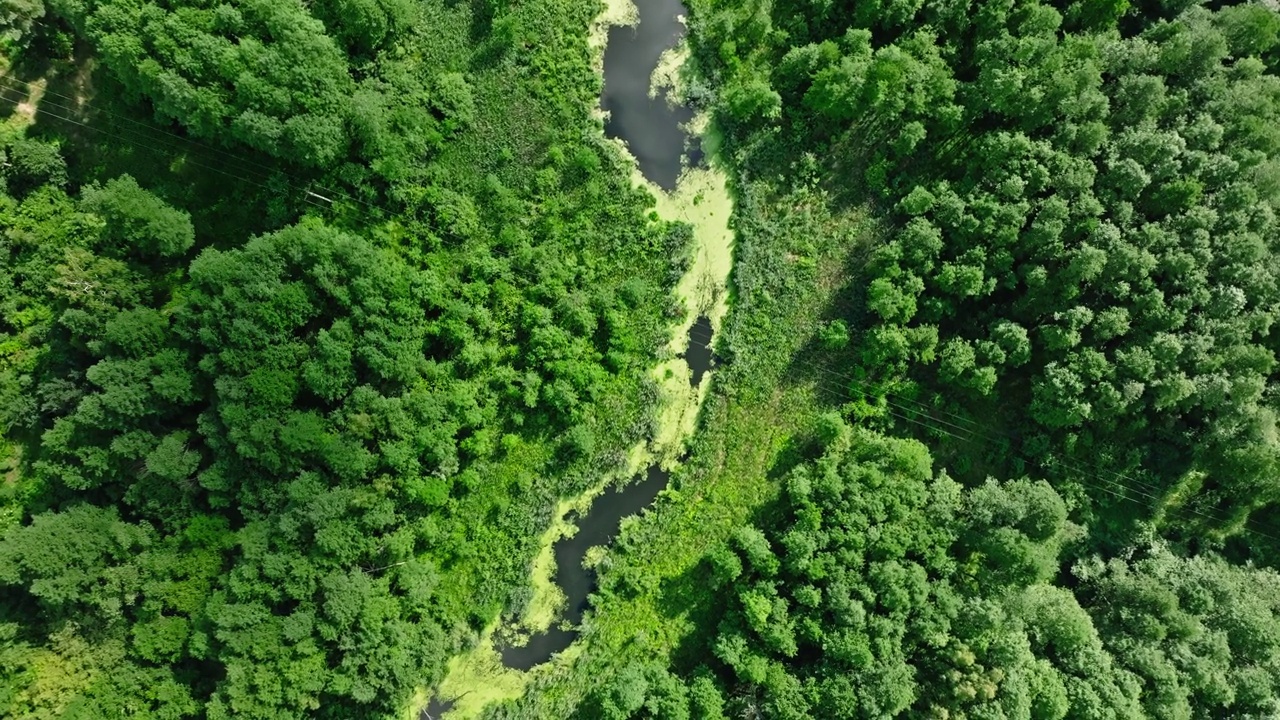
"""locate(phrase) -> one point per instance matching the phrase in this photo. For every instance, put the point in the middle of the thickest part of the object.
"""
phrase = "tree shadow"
(106, 131)
(692, 594)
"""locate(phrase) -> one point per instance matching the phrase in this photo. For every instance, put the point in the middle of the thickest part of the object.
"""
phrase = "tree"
(752, 101)
(269, 76)
(17, 17)
(1198, 631)
(705, 699)
(138, 221)
(365, 25)
(1249, 28)
(32, 164)
(78, 561)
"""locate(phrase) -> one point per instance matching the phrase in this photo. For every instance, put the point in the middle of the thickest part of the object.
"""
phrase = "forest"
(313, 313)
(273, 456)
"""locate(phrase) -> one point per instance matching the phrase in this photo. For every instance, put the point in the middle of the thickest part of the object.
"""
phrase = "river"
(598, 527)
(654, 131)
(650, 124)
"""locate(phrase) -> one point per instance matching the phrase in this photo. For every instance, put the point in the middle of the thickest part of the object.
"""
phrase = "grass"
(755, 425)
(476, 678)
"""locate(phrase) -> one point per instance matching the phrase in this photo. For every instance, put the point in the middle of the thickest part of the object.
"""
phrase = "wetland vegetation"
(544, 359)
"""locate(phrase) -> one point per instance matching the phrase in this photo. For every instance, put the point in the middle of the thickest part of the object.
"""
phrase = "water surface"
(699, 353)
(597, 527)
(650, 126)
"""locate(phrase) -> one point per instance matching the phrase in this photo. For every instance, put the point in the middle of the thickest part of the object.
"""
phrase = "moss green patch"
(702, 200)
(666, 76)
(548, 598)
(478, 678)
(615, 12)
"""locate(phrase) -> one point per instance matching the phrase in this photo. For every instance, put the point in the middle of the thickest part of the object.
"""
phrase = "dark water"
(598, 527)
(699, 353)
(649, 126)
(651, 129)
(435, 709)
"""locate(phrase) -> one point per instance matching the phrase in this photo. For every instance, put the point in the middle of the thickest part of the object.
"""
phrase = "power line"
(310, 197)
(974, 427)
(264, 172)
(14, 85)
(969, 437)
(934, 428)
(188, 140)
(977, 429)
(166, 144)
(135, 143)
(1105, 486)
(1119, 479)
(1128, 482)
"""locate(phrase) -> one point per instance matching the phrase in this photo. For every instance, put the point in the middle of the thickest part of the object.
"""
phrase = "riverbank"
(700, 197)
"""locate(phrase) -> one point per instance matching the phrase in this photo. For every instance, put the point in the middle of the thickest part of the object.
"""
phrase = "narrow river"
(653, 129)
(652, 126)
(598, 527)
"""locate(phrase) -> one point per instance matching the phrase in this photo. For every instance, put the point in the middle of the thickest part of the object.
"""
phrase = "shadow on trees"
(232, 194)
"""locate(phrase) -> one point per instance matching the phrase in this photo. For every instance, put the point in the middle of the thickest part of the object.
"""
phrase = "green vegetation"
(654, 597)
(284, 460)
(883, 589)
(1075, 292)
(316, 316)
(1083, 199)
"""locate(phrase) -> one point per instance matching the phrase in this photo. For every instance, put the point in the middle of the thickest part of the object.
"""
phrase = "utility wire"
(1105, 486)
(181, 139)
(1121, 480)
(18, 86)
(1117, 479)
(974, 427)
(1011, 439)
(177, 143)
(152, 148)
(266, 173)
(152, 143)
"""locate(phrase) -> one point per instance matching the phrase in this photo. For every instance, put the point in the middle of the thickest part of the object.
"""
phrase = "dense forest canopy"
(312, 312)
(1075, 290)
(288, 466)
(1085, 199)
(1077, 283)
(885, 590)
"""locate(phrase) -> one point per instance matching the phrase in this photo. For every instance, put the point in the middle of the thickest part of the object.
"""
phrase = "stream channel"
(653, 128)
(598, 527)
